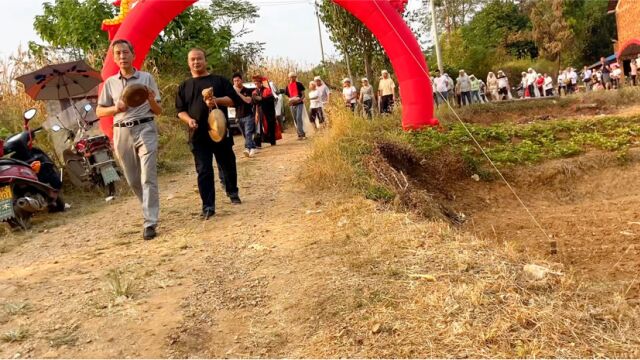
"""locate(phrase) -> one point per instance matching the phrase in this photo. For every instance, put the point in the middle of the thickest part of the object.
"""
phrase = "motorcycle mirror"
(56, 128)
(87, 107)
(29, 114)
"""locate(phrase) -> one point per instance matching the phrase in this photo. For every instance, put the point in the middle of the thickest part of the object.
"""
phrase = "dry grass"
(14, 335)
(119, 285)
(336, 161)
(16, 308)
(402, 286)
(405, 287)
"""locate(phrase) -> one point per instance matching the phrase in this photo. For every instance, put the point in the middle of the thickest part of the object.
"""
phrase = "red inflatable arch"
(140, 22)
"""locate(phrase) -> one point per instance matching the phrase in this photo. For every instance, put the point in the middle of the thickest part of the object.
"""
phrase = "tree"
(73, 26)
(229, 13)
(351, 36)
(192, 28)
(593, 30)
(501, 25)
(551, 32)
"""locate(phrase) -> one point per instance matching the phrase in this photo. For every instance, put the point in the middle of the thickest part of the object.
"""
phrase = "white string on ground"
(552, 243)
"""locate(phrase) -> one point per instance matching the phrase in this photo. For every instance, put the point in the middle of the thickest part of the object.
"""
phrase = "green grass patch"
(510, 144)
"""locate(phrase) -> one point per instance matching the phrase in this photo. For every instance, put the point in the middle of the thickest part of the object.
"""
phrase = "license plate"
(6, 193)
(6, 203)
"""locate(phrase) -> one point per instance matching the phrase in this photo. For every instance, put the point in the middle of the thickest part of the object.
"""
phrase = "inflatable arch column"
(141, 24)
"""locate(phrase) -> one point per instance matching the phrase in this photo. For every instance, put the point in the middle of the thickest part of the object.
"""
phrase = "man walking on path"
(295, 93)
(135, 134)
(193, 109)
(244, 114)
(386, 93)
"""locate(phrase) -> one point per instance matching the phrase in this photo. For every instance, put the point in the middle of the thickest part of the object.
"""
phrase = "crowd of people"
(366, 98)
(136, 132)
(468, 89)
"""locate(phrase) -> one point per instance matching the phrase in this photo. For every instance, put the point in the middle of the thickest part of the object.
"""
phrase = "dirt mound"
(421, 184)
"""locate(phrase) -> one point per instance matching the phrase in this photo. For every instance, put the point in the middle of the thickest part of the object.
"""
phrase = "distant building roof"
(612, 6)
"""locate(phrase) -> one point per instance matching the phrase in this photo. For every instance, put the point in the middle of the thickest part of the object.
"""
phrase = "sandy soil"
(232, 266)
(300, 274)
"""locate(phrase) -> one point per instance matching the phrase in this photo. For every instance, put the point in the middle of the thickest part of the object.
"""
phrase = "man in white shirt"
(548, 85)
(442, 89)
(586, 78)
(532, 76)
(350, 94)
(386, 93)
(573, 76)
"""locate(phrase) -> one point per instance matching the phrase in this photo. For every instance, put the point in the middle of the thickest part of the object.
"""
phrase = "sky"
(288, 28)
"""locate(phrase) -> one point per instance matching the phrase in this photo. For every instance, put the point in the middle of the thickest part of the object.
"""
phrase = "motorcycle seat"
(10, 161)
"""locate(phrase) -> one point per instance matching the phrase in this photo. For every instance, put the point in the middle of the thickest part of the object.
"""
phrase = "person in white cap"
(315, 106)
(324, 94)
(350, 94)
(323, 90)
(366, 97)
(295, 93)
(386, 93)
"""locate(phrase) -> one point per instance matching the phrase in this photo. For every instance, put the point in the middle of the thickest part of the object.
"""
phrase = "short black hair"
(122, 41)
(204, 53)
(236, 75)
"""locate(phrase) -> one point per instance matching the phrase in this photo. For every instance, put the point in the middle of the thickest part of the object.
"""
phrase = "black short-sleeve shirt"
(189, 99)
(244, 109)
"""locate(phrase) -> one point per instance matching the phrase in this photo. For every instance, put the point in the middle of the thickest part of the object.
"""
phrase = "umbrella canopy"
(61, 81)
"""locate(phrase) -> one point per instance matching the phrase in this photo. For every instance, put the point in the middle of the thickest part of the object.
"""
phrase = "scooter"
(30, 182)
(89, 159)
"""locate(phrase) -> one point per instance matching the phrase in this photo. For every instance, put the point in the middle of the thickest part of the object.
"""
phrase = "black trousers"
(386, 103)
(316, 113)
(203, 154)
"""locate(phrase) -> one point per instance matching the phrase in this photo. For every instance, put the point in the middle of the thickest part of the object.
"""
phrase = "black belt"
(132, 123)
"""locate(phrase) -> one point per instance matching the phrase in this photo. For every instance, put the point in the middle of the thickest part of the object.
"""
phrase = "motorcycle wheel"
(20, 222)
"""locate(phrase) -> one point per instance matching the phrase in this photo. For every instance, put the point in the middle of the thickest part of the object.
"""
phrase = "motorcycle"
(89, 160)
(30, 182)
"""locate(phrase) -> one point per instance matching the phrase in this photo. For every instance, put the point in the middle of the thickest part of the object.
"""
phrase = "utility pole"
(320, 33)
(434, 32)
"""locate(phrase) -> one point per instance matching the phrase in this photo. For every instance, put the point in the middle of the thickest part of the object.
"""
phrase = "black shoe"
(149, 233)
(235, 199)
(207, 214)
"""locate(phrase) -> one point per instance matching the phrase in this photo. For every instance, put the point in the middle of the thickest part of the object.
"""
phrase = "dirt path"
(199, 289)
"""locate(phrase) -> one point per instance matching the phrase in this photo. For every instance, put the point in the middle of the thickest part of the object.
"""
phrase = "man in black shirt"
(194, 111)
(244, 115)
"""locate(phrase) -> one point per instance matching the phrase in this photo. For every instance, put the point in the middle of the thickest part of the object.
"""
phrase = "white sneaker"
(252, 152)
(247, 153)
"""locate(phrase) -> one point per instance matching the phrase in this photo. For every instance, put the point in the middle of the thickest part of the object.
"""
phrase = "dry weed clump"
(336, 160)
(119, 285)
(402, 287)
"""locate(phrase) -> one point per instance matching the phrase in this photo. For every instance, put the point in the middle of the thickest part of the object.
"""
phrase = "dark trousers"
(386, 104)
(465, 98)
(367, 105)
(203, 155)
(316, 113)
